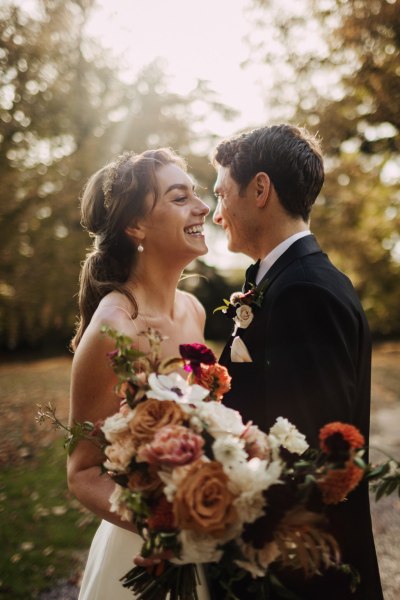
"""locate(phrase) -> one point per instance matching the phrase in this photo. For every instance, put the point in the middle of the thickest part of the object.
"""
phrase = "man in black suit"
(309, 348)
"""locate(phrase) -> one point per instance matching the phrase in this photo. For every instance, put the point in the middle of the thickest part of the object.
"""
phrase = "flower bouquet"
(201, 486)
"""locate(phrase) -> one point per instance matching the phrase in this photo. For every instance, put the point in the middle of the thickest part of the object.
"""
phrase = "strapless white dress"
(110, 557)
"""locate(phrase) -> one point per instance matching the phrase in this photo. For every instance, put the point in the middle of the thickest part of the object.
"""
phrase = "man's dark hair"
(289, 155)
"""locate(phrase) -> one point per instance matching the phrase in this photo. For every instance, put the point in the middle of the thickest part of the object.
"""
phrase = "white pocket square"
(239, 352)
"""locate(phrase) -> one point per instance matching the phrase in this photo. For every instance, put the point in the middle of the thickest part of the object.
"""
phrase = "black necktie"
(251, 273)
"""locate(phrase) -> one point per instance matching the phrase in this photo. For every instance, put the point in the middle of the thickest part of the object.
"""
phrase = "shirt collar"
(267, 262)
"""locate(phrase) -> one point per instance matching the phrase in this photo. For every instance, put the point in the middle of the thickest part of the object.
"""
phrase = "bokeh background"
(82, 81)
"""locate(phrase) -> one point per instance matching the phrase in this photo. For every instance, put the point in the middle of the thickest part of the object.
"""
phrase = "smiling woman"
(142, 201)
(176, 222)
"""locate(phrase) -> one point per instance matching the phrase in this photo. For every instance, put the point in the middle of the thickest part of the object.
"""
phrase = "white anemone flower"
(174, 387)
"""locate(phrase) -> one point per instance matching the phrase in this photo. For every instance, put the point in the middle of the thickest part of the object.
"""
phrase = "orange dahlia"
(346, 432)
(215, 378)
(338, 483)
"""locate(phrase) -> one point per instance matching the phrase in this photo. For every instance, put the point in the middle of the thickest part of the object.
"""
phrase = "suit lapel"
(302, 247)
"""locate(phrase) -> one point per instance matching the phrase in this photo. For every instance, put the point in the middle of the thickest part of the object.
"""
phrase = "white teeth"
(194, 229)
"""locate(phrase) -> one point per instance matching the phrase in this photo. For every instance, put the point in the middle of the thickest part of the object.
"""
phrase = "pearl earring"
(140, 248)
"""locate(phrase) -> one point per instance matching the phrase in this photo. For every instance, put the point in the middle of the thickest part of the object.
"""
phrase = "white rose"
(288, 436)
(220, 419)
(244, 316)
(254, 476)
(116, 424)
(120, 453)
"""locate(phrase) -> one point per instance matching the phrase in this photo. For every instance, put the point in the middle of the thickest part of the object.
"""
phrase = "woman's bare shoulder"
(189, 302)
(115, 312)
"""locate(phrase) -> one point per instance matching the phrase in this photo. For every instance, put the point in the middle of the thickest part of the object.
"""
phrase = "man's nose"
(217, 215)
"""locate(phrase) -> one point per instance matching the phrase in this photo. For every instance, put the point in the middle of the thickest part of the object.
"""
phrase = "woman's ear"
(135, 231)
(262, 188)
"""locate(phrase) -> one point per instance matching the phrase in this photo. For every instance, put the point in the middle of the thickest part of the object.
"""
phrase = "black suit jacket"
(311, 351)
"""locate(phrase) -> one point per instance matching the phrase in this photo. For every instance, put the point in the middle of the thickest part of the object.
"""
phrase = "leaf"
(378, 471)
(223, 308)
(391, 486)
(358, 461)
(70, 445)
(170, 364)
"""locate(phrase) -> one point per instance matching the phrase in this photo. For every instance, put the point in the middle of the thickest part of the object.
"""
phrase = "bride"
(147, 222)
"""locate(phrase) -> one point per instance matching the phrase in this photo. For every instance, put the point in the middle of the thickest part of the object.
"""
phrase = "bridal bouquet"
(201, 486)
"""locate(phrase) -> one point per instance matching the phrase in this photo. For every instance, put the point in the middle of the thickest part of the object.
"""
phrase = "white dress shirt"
(267, 262)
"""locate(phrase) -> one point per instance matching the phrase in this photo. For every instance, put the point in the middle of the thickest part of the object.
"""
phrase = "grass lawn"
(43, 529)
(45, 532)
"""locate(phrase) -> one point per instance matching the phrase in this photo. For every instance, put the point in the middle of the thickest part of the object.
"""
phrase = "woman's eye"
(180, 199)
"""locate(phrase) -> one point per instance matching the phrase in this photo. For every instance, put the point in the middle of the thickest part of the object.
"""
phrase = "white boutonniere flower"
(242, 305)
(244, 316)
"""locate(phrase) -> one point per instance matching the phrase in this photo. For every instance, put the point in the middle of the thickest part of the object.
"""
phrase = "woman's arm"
(93, 398)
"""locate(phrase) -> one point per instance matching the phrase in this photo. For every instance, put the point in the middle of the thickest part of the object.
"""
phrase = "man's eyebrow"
(179, 186)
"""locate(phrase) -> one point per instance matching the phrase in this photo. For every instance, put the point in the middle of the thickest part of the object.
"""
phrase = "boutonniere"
(241, 305)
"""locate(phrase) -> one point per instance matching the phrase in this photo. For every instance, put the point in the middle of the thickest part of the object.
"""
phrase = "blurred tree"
(64, 111)
(341, 73)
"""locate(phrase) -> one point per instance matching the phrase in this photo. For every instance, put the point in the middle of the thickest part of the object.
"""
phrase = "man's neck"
(272, 256)
(273, 238)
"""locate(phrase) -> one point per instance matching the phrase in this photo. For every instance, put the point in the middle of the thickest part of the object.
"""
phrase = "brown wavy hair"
(113, 198)
(291, 156)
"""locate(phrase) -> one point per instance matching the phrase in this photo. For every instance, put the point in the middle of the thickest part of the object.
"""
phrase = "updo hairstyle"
(113, 199)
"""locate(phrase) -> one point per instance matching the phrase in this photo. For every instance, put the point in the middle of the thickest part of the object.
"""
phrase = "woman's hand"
(153, 560)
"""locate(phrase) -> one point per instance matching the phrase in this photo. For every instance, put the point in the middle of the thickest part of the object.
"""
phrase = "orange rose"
(203, 502)
(152, 415)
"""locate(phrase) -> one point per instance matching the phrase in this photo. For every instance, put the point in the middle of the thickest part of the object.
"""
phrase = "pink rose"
(172, 446)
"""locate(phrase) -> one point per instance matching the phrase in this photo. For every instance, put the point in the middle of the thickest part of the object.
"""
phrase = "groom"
(306, 354)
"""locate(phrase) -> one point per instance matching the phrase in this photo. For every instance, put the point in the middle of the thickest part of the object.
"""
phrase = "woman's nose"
(202, 208)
